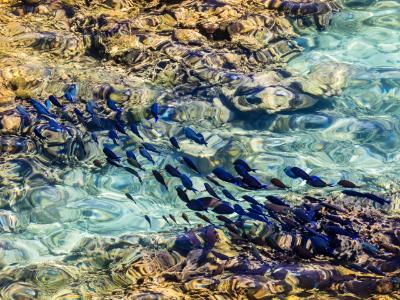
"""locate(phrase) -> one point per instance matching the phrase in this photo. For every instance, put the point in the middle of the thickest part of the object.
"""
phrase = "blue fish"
(154, 110)
(150, 147)
(70, 93)
(174, 142)
(79, 115)
(94, 137)
(120, 127)
(146, 154)
(228, 195)
(113, 105)
(114, 136)
(47, 103)
(257, 217)
(353, 193)
(242, 163)
(148, 219)
(276, 200)
(38, 134)
(159, 178)
(300, 173)
(135, 130)
(190, 163)
(200, 204)
(250, 199)
(91, 106)
(303, 216)
(315, 181)
(242, 171)
(40, 108)
(194, 136)
(25, 120)
(239, 210)
(211, 191)
(130, 154)
(54, 126)
(224, 175)
(187, 183)
(110, 154)
(321, 245)
(172, 171)
(376, 198)
(55, 101)
(253, 182)
(223, 209)
(134, 173)
(113, 162)
(182, 194)
(288, 172)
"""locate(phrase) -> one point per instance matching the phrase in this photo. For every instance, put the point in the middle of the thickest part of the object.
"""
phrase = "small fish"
(55, 101)
(110, 154)
(288, 172)
(150, 147)
(203, 217)
(54, 126)
(113, 105)
(70, 93)
(353, 193)
(148, 219)
(154, 110)
(47, 104)
(315, 181)
(130, 154)
(194, 136)
(300, 173)
(40, 108)
(130, 197)
(159, 178)
(278, 183)
(241, 170)
(134, 163)
(224, 219)
(79, 115)
(134, 173)
(94, 137)
(174, 142)
(211, 179)
(303, 216)
(223, 209)
(338, 230)
(376, 198)
(347, 184)
(187, 183)
(250, 199)
(325, 204)
(146, 154)
(276, 200)
(256, 217)
(135, 130)
(113, 163)
(182, 195)
(120, 127)
(200, 204)
(190, 163)
(185, 217)
(228, 195)
(241, 162)
(172, 171)
(25, 120)
(114, 136)
(166, 220)
(97, 163)
(173, 218)
(224, 175)
(253, 182)
(211, 191)
(239, 210)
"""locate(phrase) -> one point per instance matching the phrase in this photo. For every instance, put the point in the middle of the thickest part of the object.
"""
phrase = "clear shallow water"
(354, 136)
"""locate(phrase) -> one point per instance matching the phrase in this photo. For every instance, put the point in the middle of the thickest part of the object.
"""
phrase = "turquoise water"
(354, 135)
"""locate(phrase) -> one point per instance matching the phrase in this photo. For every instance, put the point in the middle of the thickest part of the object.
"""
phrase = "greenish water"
(355, 136)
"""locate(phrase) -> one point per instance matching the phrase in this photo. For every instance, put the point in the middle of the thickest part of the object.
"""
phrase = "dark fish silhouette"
(155, 110)
(70, 93)
(239, 210)
(38, 134)
(278, 183)
(120, 127)
(187, 183)
(113, 162)
(134, 173)
(257, 217)
(130, 154)
(134, 163)
(148, 219)
(376, 198)
(190, 163)
(97, 163)
(303, 216)
(182, 195)
(300, 173)
(325, 204)
(224, 209)
(315, 181)
(110, 154)
(79, 115)
(166, 220)
(241, 162)
(224, 219)
(224, 175)
(25, 120)
(40, 108)
(241, 170)
(347, 184)
(114, 136)
(211, 191)
(113, 105)
(54, 126)
(194, 136)
(338, 230)
(253, 182)
(250, 199)
(228, 195)
(276, 200)
(146, 154)
(159, 178)
(135, 130)
(211, 179)
(129, 196)
(201, 204)
(174, 142)
(172, 171)
(150, 147)
(185, 217)
(173, 218)
(203, 217)
(55, 101)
